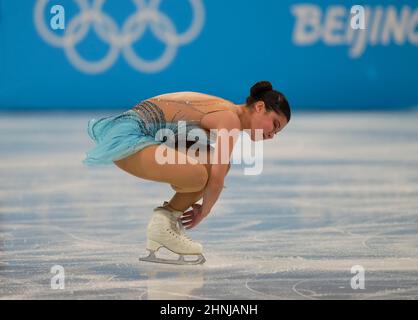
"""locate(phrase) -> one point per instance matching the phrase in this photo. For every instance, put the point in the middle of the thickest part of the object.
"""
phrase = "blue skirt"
(120, 136)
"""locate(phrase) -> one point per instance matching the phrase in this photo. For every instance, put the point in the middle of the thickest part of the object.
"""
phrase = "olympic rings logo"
(120, 40)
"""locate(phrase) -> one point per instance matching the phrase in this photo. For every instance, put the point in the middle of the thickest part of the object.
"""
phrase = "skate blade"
(180, 261)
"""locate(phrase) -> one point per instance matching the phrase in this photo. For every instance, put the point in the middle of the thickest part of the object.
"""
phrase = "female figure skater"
(131, 141)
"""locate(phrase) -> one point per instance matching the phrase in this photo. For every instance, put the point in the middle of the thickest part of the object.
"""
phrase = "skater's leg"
(163, 229)
(185, 178)
(182, 201)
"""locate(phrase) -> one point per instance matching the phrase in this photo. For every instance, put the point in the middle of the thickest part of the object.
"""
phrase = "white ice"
(337, 190)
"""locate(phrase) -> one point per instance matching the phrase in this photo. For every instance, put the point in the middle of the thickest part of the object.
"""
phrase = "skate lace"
(177, 225)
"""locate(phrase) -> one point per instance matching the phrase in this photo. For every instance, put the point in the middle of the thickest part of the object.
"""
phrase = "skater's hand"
(192, 218)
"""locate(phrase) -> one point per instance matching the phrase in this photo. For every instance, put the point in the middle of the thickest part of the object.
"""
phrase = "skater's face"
(269, 122)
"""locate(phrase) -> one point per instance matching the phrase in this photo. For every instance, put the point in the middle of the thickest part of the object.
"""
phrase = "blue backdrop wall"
(111, 54)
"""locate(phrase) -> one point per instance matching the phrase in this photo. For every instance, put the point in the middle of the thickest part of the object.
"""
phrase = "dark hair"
(274, 100)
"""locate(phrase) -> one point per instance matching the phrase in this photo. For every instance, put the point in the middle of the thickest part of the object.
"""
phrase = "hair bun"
(260, 87)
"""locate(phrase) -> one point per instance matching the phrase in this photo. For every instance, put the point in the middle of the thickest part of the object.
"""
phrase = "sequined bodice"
(157, 113)
(191, 111)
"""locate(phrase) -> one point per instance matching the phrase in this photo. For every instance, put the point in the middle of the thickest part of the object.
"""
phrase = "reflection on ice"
(168, 282)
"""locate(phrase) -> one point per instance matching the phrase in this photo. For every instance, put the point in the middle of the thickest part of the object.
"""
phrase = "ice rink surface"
(337, 190)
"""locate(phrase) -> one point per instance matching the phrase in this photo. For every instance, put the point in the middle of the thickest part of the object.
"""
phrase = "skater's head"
(269, 110)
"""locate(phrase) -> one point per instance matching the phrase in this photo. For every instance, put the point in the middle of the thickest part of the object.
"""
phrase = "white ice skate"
(166, 230)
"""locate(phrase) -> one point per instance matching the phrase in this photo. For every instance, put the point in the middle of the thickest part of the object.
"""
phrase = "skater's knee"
(199, 179)
(194, 182)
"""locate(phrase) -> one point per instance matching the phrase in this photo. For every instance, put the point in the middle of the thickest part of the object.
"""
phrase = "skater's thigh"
(143, 164)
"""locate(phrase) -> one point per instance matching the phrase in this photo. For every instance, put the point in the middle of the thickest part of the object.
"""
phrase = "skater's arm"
(211, 194)
(228, 132)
